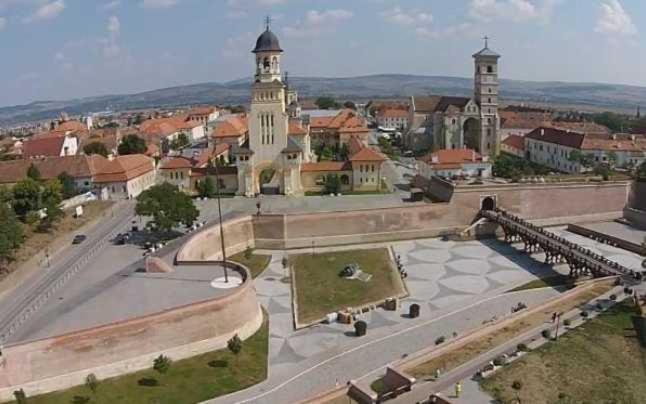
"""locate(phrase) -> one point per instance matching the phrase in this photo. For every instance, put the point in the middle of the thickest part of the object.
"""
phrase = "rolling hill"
(587, 96)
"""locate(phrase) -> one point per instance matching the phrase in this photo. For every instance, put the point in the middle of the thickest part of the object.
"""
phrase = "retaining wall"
(123, 347)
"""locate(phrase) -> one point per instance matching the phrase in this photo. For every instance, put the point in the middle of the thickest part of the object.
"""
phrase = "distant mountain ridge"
(582, 95)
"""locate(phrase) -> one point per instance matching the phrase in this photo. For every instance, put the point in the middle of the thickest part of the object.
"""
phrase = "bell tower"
(267, 53)
(486, 96)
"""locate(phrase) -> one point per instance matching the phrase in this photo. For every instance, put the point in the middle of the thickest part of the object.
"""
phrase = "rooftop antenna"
(267, 22)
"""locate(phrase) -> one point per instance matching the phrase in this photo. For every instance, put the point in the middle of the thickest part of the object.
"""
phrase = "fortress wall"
(206, 245)
(64, 361)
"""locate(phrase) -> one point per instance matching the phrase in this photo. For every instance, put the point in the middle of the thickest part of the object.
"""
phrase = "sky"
(63, 49)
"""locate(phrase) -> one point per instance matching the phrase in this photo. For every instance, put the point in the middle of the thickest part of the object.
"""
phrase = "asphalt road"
(19, 305)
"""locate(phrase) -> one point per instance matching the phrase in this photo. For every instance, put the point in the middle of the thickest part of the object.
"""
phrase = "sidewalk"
(423, 390)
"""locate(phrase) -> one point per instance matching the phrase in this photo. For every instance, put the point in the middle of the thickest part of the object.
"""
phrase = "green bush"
(440, 340)
(517, 385)
(567, 322)
(585, 314)
(547, 334)
(522, 347)
(499, 361)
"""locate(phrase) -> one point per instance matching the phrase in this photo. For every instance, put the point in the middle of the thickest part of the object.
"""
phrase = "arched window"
(489, 69)
(266, 65)
(274, 64)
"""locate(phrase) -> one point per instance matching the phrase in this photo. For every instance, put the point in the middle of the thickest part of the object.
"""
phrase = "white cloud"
(3, 23)
(317, 23)
(614, 20)
(155, 4)
(46, 11)
(111, 5)
(512, 10)
(398, 16)
(111, 47)
(238, 46)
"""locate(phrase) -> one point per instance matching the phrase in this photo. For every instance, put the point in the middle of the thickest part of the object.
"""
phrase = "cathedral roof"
(267, 42)
(486, 52)
(292, 147)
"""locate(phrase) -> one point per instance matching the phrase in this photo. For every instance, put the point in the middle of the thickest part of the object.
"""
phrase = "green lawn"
(549, 281)
(600, 362)
(255, 263)
(188, 381)
(320, 289)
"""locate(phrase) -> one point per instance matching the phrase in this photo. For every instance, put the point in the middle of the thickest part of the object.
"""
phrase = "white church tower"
(271, 163)
(486, 96)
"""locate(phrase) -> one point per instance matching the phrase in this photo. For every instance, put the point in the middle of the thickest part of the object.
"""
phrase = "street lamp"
(217, 193)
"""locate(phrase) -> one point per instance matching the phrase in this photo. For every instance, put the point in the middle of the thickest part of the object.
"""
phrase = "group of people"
(400, 267)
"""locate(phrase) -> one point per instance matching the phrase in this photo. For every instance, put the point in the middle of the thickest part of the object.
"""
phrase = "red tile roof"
(368, 154)
(557, 136)
(124, 168)
(233, 126)
(393, 113)
(296, 128)
(51, 167)
(43, 146)
(515, 142)
(451, 157)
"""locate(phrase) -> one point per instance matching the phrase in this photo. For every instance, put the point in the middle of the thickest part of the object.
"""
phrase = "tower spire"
(267, 23)
(486, 39)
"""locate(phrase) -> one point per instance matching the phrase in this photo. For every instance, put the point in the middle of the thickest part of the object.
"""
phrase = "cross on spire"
(486, 39)
(267, 22)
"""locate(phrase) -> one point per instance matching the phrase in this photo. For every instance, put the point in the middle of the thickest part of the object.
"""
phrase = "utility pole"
(217, 192)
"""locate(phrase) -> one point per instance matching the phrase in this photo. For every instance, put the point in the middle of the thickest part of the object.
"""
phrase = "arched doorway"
(267, 182)
(488, 203)
(471, 131)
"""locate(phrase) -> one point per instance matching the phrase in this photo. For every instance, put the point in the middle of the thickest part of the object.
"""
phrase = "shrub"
(360, 328)
(599, 306)
(440, 340)
(235, 344)
(628, 291)
(413, 310)
(21, 397)
(248, 253)
(499, 361)
(547, 334)
(522, 347)
(585, 314)
(92, 383)
(567, 322)
(285, 262)
(517, 385)
(161, 364)
(613, 297)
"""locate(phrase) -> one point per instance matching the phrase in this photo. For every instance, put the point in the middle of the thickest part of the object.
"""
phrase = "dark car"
(79, 238)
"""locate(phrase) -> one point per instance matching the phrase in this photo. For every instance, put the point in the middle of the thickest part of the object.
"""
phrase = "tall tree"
(11, 234)
(206, 187)
(96, 148)
(132, 144)
(326, 103)
(68, 185)
(641, 172)
(181, 142)
(26, 197)
(167, 206)
(33, 172)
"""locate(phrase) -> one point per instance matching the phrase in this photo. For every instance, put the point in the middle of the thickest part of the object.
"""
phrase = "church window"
(274, 64)
(272, 128)
(372, 167)
(489, 100)
(453, 121)
(489, 69)
(489, 91)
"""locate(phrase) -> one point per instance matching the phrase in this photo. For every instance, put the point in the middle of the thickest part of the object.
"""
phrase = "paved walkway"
(312, 360)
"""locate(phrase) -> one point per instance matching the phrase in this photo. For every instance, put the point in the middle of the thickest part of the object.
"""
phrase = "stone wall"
(206, 244)
(123, 347)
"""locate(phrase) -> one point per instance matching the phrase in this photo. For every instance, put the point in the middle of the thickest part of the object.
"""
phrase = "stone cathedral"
(443, 122)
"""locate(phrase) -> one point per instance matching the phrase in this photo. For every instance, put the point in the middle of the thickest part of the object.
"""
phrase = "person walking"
(458, 389)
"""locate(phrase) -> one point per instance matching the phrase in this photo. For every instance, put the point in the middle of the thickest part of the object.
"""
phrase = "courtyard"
(321, 290)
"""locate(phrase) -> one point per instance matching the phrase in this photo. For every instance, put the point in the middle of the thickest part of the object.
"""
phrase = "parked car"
(79, 238)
